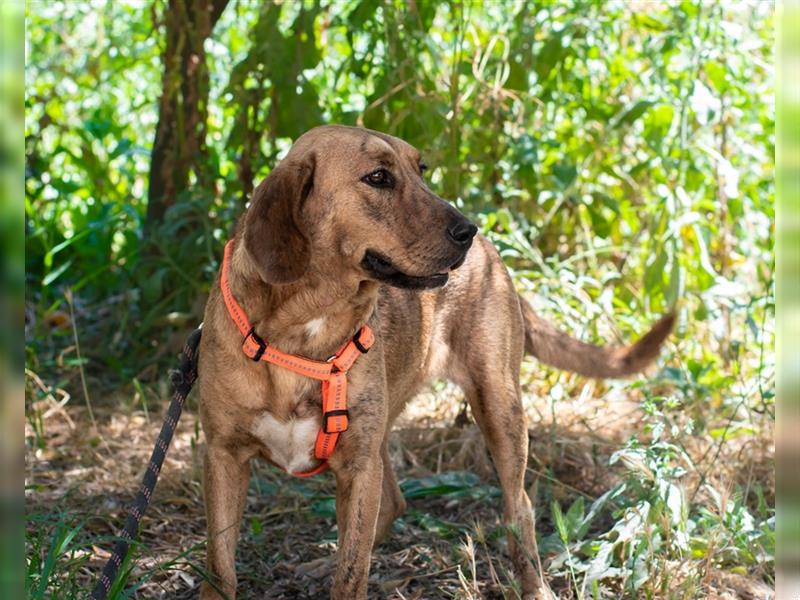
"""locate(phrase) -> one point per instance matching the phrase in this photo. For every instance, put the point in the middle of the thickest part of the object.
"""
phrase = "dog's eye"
(423, 167)
(380, 178)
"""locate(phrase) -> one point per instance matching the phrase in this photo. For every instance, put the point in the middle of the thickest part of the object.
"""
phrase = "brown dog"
(345, 232)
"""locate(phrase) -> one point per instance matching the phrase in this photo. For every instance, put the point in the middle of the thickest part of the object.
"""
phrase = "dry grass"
(444, 547)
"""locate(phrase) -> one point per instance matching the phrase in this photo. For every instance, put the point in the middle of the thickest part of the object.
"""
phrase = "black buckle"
(334, 413)
(262, 345)
(357, 342)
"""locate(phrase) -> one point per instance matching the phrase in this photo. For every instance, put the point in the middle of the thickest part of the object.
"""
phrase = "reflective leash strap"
(182, 381)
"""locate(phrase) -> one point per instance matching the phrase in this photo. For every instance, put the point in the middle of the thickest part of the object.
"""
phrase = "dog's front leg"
(359, 474)
(225, 485)
(358, 495)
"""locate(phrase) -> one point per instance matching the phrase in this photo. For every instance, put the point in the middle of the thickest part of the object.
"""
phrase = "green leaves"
(658, 123)
(717, 75)
(654, 275)
(633, 112)
(573, 525)
(455, 484)
(550, 55)
(61, 543)
(565, 174)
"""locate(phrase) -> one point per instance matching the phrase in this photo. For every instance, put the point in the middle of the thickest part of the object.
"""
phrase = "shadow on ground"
(450, 542)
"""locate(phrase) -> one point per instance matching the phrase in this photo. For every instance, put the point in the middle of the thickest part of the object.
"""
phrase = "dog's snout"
(461, 232)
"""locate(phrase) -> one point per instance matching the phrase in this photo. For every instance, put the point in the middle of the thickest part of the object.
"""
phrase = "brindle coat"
(345, 232)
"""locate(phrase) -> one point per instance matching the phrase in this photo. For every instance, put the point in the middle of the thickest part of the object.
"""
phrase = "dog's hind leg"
(392, 502)
(497, 408)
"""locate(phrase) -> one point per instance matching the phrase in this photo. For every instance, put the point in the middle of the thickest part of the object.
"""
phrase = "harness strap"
(332, 373)
(182, 381)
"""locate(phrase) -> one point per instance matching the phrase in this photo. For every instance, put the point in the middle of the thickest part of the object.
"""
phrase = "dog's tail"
(559, 350)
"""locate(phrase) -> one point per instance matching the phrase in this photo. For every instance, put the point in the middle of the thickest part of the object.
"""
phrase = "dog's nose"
(461, 232)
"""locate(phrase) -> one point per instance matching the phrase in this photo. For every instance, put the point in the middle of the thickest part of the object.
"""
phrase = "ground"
(450, 543)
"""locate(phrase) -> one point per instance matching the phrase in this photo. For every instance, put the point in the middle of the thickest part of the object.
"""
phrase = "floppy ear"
(273, 235)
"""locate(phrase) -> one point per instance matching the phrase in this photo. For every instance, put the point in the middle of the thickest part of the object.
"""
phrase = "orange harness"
(332, 373)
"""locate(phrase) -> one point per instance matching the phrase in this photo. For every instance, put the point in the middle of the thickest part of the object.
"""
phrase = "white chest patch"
(314, 326)
(290, 443)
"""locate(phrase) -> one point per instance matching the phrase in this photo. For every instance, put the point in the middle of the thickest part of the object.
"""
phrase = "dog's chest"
(290, 443)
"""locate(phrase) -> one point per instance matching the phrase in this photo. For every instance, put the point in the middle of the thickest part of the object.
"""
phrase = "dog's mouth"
(382, 269)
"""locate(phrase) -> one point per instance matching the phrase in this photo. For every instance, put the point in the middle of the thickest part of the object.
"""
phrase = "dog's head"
(354, 200)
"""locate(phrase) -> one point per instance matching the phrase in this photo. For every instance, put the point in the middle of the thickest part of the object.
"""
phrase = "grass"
(628, 529)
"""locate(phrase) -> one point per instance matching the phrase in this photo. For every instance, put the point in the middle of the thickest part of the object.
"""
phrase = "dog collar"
(332, 372)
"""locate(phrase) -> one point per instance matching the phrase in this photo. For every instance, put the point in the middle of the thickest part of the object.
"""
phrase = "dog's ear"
(273, 232)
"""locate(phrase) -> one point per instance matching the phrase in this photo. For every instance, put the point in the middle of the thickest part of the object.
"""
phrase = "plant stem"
(68, 296)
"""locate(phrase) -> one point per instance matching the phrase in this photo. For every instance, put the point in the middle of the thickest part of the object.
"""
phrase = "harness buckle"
(253, 346)
(335, 413)
(357, 341)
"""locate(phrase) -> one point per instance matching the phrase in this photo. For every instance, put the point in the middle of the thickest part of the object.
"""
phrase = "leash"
(332, 373)
(182, 381)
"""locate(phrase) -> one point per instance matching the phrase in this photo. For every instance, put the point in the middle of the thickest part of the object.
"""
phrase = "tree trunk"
(180, 143)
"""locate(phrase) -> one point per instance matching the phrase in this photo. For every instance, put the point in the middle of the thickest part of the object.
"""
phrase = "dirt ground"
(450, 543)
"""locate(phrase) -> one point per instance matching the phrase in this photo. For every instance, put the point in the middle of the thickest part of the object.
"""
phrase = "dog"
(344, 233)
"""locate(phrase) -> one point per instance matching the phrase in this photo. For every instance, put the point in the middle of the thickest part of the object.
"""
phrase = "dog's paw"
(540, 595)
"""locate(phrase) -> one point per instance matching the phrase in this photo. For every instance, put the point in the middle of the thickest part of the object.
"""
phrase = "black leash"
(182, 381)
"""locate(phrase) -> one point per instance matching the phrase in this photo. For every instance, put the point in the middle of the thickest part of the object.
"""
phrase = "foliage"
(618, 154)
